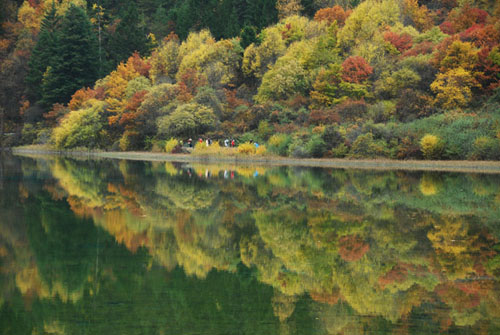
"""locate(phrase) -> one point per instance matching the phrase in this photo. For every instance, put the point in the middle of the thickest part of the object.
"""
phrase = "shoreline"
(371, 164)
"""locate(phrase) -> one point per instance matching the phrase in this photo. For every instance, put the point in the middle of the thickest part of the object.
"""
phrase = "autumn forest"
(401, 79)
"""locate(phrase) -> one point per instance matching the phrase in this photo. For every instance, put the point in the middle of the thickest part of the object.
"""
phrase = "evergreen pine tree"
(76, 62)
(248, 36)
(128, 37)
(43, 54)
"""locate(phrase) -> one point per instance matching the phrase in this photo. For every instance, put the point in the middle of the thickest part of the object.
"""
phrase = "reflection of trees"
(363, 247)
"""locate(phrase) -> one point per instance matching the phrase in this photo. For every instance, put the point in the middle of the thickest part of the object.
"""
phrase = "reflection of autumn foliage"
(328, 298)
(122, 197)
(352, 248)
(399, 273)
(456, 297)
(78, 207)
(283, 305)
(115, 222)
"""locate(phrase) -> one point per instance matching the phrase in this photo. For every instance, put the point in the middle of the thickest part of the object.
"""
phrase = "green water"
(122, 247)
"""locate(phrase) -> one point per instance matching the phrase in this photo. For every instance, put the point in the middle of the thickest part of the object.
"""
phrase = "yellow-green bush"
(80, 128)
(431, 146)
(261, 150)
(214, 149)
(171, 145)
(246, 148)
(279, 143)
(486, 148)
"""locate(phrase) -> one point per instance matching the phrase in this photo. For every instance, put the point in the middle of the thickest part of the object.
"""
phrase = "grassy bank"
(234, 158)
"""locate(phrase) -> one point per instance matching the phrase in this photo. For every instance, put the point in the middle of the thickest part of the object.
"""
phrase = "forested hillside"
(402, 79)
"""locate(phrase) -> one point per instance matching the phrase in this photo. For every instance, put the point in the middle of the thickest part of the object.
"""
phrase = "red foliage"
(488, 71)
(355, 69)
(233, 101)
(172, 36)
(287, 128)
(456, 297)
(326, 298)
(465, 17)
(297, 101)
(335, 13)
(481, 35)
(189, 83)
(420, 49)
(447, 28)
(285, 34)
(100, 93)
(80, 96)
(351, 109)
(140, 65)
(135, 101)
(401, 42)
(476, 287)
(33, 3)
(56, 113)
(323, 116)
(397, 274)
(352, 248)
(129, 119)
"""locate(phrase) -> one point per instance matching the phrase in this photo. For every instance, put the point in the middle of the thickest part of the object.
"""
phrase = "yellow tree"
(454, 88)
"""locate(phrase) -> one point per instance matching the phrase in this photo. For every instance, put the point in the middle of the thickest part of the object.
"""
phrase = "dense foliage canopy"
(230, 69)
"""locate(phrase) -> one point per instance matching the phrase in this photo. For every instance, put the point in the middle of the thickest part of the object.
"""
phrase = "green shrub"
(456, 130)
(431, 146)
(486, 148)
(366, 147)
(278, 144)
(264, 130)
(130, 140)
(331, 137)
(316, 147)
(340, 151)
(171, 145)
(29, 133)
(187, 120)
(297, 147)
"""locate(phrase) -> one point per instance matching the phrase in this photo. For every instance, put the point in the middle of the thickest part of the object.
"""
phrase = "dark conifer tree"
(43, 54)
(248, 36)
(128, 37)
(76, 62)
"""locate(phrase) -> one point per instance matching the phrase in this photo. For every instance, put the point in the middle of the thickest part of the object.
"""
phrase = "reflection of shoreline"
(382, 164)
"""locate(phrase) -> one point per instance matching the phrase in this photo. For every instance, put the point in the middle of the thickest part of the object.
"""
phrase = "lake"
(130, 247)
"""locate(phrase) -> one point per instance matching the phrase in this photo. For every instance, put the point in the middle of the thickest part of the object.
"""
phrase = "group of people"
(227, 142)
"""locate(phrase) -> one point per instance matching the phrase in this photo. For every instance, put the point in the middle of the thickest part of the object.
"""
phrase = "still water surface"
(122, 247)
